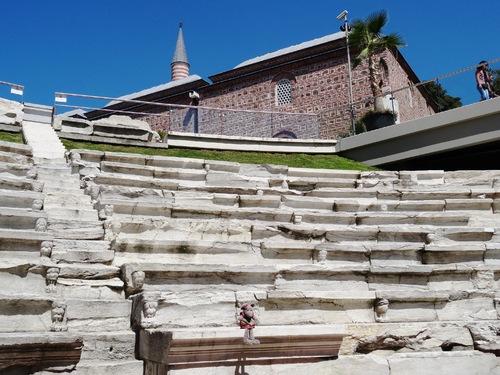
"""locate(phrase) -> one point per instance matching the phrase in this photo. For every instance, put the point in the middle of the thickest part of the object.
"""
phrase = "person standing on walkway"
(481, 80)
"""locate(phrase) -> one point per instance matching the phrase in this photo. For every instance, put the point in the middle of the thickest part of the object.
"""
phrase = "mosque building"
(308, 78)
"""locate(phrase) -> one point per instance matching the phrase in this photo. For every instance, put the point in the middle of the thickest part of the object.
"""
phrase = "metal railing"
(445, 91)
(15, 88)
(200, 119)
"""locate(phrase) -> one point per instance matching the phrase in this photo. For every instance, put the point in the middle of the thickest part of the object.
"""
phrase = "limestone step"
(87, 280)
(312, 183)
(69, 213)
(116, 181)
(154, 172)
(157, 161)
(54, 165)
(176, 309)
(170, 162)
(418, 218)
(59, 175)
(384, 233)
(186, 229)
(16, 148)
(134, 181)
(302, 252)
(23, 274)
(222, 179)
(42, 138)
(484, 204)
(71, 199)
(183, 202)
(111, 288)
(97, 315)
(463, 362)
(22, 240)
(153, 246)
(179, 278)
(25, 312)
(22, 199)
(88, 271)
(323, 173)
(70, 229)
(13, 183)
(456, 253)
(19, 219)
(75, 251)
(402, 194)
(108, 346)
(247, 213)
(338, 193)
(64, 187)
(15, 169)
(381, 253)
(436, 193)
(361, 253)
(149, 207)
(118, 367)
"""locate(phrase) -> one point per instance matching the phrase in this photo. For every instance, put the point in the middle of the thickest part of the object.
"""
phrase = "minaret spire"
(180, 64)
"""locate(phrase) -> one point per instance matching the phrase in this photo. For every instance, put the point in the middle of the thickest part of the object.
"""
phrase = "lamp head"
(342, 15)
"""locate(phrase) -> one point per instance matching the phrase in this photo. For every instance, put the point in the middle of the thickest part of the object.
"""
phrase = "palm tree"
(366, 35)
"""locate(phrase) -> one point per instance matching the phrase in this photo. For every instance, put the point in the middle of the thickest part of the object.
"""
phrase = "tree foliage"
(495, 73)
(441, 98)
(367, 37)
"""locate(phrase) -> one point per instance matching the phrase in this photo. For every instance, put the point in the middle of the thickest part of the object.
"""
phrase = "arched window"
(283, 91)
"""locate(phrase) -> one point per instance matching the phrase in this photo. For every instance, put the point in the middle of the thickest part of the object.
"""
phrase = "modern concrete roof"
(291, 49)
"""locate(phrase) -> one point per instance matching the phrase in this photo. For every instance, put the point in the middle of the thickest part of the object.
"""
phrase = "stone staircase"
(87, 281)
(65, 300)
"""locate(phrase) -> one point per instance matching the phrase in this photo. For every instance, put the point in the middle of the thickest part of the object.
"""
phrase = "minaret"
(180, 65)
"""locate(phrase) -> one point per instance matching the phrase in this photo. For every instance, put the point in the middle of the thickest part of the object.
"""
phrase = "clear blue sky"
(116, 47)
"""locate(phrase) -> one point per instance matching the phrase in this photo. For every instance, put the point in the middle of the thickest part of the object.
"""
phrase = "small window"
(283, 92)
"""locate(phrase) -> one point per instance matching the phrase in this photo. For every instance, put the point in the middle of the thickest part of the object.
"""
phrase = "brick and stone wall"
(320, 87)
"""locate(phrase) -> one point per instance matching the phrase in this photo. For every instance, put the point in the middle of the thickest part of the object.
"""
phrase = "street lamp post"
(346, 28)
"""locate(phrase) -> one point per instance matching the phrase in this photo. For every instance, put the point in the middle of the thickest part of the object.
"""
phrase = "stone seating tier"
(17, 149)
(168, 309)
(268, 252)
(18, 219)
(176, 178)
(455, 282)
(22, 240)
(13, 183)
(22, 199)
